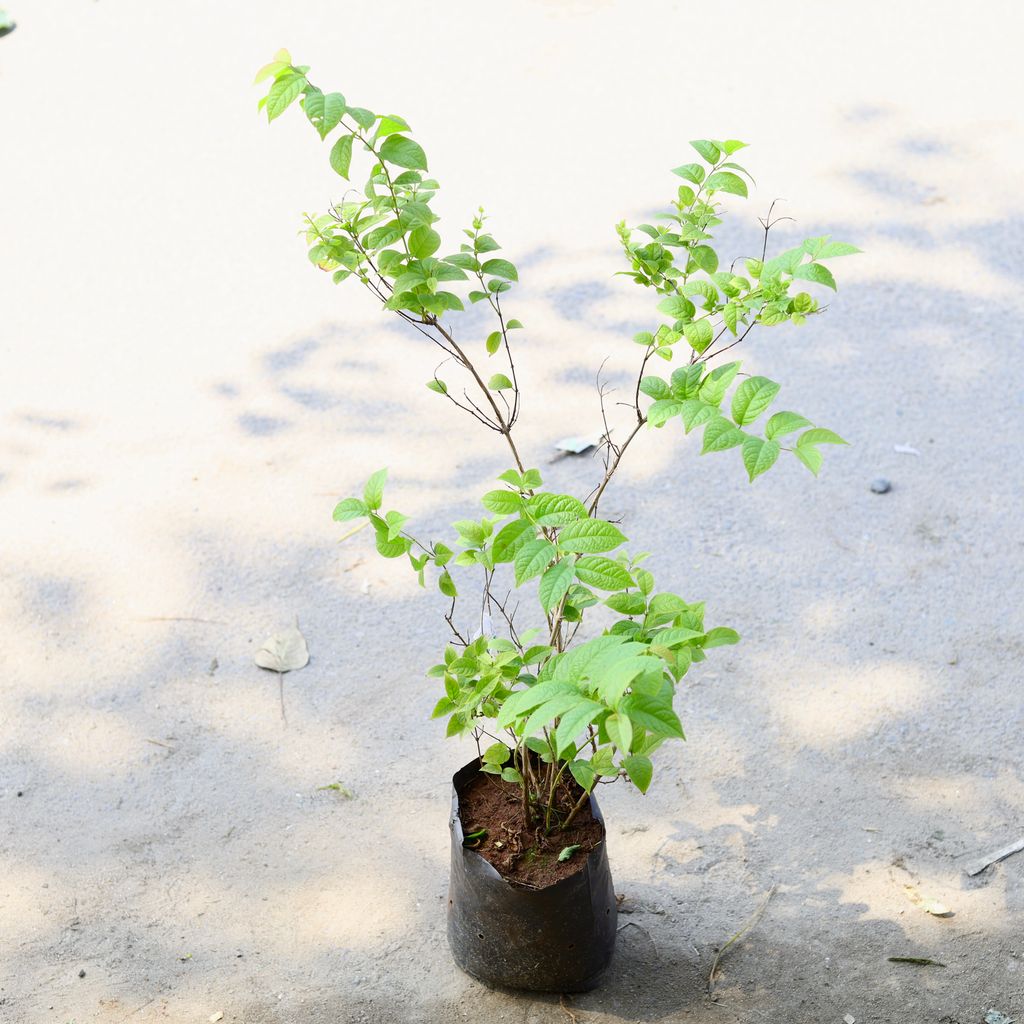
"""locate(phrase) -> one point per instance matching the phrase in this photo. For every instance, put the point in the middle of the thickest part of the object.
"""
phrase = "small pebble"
(81, 973)
(881, 486)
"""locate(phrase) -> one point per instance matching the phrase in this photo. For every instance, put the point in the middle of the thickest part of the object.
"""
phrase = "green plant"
(600, 708)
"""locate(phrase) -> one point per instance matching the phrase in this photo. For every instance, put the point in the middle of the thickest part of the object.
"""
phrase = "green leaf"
(583, 773)
(752, 398)
(686, 380)
(390, 124)
(720, 636)
(759, 456)
(493, 342)
(511, 775)
(620, 731)
(677, 306)
(554, 584)
(500, 268)
(726, 181)
(720, 435)
(282, 59)
(815, 272)
(514, 325)
(691, 172)
(499, 382)
(511, 539)
(504, 503)
(639, 769)
(423, 242)
(783, 423)
(674, 636)
(705, 257)
(574, 721)
(373, 493)
(652, 714)
(341, 155)
(438, 385)
(717, 383)
(524, 701)
(389, 547)
(707, 149)
(603, 573)
(403, 152)
(324, 111)
(831, 250)
(350, 508)
(496, 753)
(283, 94)
(810, 457)
(696, 412)
(556, 509)
(362, 117)
(663, 410)
(627, 604)
(446, 585)
(590, 536)
(731, 145)
(655, 387)
(568, 851)
(532, 559)
(698, 334)
(819, 435)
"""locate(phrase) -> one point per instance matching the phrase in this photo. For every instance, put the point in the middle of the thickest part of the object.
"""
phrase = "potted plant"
(555, 711)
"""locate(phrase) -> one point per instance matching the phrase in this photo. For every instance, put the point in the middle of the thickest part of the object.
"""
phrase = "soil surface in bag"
(520, 854)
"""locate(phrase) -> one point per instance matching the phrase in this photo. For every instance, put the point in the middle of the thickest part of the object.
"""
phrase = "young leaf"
(554, 584)
(446, 585)
(590, 536)
(532, 559)
(707, 149)
(403, 152)
(720, 435)
(759, 456)
(511, 539)
(639, 769)
(324, 111)
(663, 410)
(493, 342)
(783, 423)
(698, 334)
(556, 509)
(500, 268)
(423, 242)
(819, 435)
(603, 573)
(726, 181)
(752, 398)
(350, 508)
(691, 172)
(720, 636)
(283, 93)
(568, 851)
(373, 493)
(620, 731)
(341, 155)
(815, 272)
(496, 753)
(655, 387)
(504, 503)
(499, 382)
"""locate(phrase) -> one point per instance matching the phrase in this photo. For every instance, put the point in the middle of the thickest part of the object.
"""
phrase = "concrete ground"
(182, 398)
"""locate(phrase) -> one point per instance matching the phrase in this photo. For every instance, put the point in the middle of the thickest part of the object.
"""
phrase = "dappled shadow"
(862, 739)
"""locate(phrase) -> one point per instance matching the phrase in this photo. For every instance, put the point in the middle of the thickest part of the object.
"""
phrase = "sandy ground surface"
(182, 398)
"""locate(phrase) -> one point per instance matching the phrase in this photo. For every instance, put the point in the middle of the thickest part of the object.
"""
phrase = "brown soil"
(525, 855)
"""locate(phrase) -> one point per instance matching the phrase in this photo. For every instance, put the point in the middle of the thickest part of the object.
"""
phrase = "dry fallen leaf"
(284, 651)
(929, 906)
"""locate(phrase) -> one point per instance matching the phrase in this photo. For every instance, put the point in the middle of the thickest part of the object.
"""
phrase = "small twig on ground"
(160, 743)
(280, 688)
(754, 918)
(565, 1009)
(976, 867)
